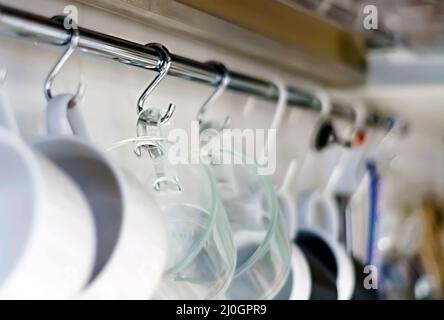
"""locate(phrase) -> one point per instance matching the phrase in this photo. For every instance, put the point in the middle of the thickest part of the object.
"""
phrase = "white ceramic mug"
(298, 285)
(345, 275)
(47, 239)
(131, 234)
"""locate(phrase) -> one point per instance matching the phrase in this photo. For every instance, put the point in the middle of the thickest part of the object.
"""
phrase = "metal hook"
(173, 183)
(154, 148)
(221, 87)
(146, 116)
(73, 44)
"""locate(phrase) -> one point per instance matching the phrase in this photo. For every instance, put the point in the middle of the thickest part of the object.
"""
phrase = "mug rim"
(298, 262)
(299, 269)
(345, 279)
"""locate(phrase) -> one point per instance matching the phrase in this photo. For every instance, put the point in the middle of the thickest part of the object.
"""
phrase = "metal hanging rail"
(45, 30)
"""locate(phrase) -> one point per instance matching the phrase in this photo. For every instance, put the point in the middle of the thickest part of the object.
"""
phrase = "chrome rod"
(45, 30)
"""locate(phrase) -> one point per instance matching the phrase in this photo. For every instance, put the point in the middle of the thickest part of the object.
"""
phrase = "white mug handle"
(330, 214)
(61, 119)
(77, 123)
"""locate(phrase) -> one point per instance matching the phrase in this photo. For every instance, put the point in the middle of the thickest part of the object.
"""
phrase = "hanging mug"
(130, 231)
(47, 240)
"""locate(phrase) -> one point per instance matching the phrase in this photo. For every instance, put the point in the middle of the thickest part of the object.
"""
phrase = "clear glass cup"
(262, 246)
(202, 256)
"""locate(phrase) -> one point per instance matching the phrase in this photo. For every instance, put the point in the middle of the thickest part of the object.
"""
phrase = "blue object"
(373, 211)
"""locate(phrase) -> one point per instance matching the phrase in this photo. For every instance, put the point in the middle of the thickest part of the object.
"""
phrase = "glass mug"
(202, 256)
(262, 246)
